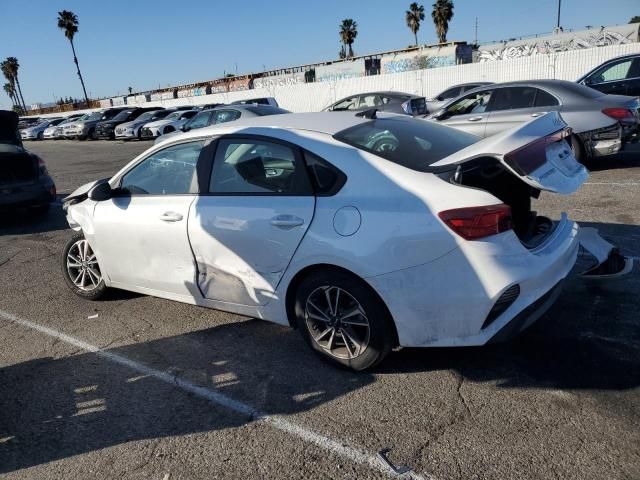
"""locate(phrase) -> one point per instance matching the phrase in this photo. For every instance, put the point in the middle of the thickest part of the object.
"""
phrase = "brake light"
(528, 158)
(618, 113)
(473, 223)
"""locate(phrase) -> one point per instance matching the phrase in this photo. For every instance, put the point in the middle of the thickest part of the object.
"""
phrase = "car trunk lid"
(537, 152)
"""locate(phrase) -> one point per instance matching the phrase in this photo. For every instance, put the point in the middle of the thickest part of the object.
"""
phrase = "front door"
(141, 233)
(469, 113)
(245, 231)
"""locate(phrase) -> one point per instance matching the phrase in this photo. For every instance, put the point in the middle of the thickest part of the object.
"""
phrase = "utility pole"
(558, 23)
(475, 42)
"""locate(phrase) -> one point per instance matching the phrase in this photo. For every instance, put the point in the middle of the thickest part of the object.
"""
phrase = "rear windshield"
(412, 143)
(267, 110)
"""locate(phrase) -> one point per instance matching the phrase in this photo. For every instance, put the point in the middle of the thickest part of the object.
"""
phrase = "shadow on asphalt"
(628, 158)
(24, 221)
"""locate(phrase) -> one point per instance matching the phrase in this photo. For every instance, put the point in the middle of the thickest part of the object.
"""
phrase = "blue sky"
(150, 43)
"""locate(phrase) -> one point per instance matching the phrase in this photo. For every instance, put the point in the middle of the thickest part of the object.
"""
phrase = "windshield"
(146, 116)
(174, 116)
(123, 115)
(412, 143)
(93, 116)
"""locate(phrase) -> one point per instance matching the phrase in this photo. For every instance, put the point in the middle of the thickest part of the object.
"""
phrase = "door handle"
(537, 114)
(286, 221)
(170, 217)
(475, 119)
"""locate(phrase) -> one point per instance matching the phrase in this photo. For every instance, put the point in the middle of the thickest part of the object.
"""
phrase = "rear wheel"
(40, 136)
(81, 270)
(343, 320)
(578, 149)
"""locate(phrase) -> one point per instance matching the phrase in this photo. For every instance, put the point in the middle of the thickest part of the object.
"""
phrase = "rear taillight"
(618, 113)
(528, 158)
(473, 223)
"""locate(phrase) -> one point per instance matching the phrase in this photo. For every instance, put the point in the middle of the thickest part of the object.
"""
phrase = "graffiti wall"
(340, 70)
(279, 80)
(560, 42)
(426, 58)
(194, 92)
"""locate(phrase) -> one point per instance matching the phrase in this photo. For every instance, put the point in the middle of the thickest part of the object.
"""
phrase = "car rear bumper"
(603, 141)
(452, 301)
(27, 194)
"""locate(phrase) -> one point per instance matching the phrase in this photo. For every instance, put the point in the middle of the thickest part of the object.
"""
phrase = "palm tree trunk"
(416, 35)
(75, 60)
(24, 105)
(350, 51)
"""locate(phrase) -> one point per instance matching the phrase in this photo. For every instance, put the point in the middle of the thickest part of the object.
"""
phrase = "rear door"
(469, 113)
(246, 226)
(511, 106)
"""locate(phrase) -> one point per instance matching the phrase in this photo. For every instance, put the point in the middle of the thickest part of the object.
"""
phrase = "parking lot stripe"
(337, 447)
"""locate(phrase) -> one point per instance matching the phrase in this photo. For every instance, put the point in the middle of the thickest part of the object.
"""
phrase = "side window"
(451, 93)
(327, 179)
(167, 172)
(257, 167)
(200, 120)
(350, 103)
(472, 103)
(370, 101)
(511, 98)
(544, 99)
(188, 115)
(610, 73)
(223, 116)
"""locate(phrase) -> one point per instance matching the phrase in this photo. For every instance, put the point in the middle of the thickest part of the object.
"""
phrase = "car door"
(141, 232)
(246, 229)
(511, 106)
(613, 78)
(468, 113)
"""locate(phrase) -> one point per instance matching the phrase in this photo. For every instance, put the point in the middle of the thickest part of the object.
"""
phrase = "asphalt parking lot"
(139, 387)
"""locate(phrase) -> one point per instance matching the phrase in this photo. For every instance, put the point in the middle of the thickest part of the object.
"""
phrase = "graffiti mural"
(426, 58)
(560, 42)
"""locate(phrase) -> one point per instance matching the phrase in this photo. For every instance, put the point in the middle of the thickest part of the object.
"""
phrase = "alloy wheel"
(336, 322)
(82, 266)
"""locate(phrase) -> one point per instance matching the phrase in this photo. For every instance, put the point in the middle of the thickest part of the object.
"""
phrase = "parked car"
(224, 114)
(600, 123)
(257, 101)
(320, 221)
(171, 123)
(24, 180)
(208, 106)
(54, 131)
(83, 129)
(436, 103)
(619, 76)
(25, 122)
(37, 131)
(394, 102)
(133, 129)
(106, 129)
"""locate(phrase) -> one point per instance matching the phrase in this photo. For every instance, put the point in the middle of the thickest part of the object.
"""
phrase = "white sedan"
(366, 232)
(171, 123)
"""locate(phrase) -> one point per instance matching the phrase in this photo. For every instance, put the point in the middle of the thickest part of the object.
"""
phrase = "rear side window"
(326, 179)
(258, 167)
(412, 143)
(544, 99)
(511, 98)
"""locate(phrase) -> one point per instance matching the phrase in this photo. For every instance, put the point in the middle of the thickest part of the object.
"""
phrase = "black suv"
(106, 129)
(618, 76)
(24, 180)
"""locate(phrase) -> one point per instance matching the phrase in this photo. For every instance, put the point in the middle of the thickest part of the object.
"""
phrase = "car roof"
(561, 88)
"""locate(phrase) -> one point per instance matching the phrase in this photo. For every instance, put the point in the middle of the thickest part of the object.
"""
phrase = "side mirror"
(440, 114)
(101, 192)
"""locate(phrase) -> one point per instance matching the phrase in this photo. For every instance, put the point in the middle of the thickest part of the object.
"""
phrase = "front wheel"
(343, 320)
(81, 270)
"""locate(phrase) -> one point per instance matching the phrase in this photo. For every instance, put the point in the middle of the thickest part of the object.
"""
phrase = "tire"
(332, 336)
(91, 135)
(578, 149)
(94, 286)
(40, 136)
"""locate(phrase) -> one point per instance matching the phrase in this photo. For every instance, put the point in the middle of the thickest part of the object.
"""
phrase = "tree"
(130, 90)
(343, 53)
(68, 22)
(348, 33)
(10, 69)
(442, 13)
(10, 90)
(635, 19)
(414, 16)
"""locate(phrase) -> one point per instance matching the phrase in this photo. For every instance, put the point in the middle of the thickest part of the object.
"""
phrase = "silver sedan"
(600, 123)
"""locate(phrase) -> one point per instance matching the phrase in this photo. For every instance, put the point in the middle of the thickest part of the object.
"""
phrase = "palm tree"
(11, 92)
(68, 22)
(130, 90)
(442, 13)
(414, 16)
(348, 33)
(10, 69)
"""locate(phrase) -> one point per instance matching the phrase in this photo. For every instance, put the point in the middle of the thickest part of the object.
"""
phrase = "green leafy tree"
(442, 14)
(348, 33)
(68, 23)
(414, 16)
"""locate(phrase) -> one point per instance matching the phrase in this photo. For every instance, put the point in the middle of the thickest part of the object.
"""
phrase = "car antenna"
(369, 113)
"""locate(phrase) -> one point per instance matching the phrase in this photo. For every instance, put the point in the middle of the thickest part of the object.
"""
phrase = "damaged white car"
(366, 232)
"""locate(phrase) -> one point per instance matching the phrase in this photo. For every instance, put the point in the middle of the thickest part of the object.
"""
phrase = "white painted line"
(624, 184)
(337, 447)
